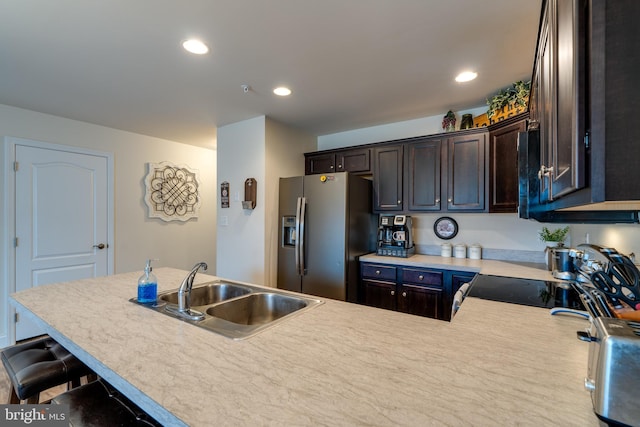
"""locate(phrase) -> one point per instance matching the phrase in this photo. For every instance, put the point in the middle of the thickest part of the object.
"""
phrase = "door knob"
(100, 246)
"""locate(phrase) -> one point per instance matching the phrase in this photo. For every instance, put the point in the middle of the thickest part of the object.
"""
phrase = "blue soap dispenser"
(147, 286)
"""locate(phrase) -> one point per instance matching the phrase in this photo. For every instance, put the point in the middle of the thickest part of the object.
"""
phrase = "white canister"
(445, 250)
(460, 250)
(475, 251)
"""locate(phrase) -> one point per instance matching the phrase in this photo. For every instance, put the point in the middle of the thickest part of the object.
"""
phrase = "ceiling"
(350, 63)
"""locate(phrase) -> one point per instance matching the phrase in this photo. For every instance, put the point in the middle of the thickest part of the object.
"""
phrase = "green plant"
(557, 235)
(517, 95)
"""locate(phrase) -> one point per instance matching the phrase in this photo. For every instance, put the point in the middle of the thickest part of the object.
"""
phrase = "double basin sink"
(236, 310)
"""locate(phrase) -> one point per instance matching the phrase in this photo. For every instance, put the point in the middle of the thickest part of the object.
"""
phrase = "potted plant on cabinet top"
(508, 102)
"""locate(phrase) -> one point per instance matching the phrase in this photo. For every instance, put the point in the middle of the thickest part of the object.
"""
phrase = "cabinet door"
(379, 294)
(466, 173)
(423, 175)
(546, 97)
(568, 155)
(356, 161)
(420, 300)
(320, 163)
(560, 82)
(387, 178)
(503, 168)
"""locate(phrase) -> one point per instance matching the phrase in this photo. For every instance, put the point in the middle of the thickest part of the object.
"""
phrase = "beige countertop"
(337, 364)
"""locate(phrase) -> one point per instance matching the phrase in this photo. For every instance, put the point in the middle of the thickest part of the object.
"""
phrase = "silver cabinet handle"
(404, 294)
(377, 271)
(101, 246)
(420, 277)
(393, 292)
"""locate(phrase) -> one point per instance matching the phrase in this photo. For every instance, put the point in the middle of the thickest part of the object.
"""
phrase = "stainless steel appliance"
(614, 369)
(610, 289)
(395, 236)
(325, 224)
(561, 264)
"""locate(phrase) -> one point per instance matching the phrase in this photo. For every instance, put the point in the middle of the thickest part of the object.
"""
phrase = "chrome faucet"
(183, 309)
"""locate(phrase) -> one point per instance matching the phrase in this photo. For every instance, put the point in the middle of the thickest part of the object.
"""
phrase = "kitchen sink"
(236, 310)
(209, 293)
(257, 309)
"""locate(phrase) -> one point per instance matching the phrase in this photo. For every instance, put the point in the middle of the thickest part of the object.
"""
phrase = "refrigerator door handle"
(297, 237)
(303, 208)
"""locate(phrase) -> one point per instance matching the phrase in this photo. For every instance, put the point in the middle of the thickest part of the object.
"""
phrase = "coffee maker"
(395, 236)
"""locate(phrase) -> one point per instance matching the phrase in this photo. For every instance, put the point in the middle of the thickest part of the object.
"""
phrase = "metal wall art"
(172, 192)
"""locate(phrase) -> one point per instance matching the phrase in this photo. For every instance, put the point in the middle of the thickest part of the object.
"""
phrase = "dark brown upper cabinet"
(558, 92)
(356, 161)
(466, 172)
(583, 105)
(503, 165)
(446, 173)
(387, 178)
(424, 159)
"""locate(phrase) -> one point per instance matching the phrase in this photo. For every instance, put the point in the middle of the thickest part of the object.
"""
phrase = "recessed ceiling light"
(466, 76)
(195, 46)
(282, 91)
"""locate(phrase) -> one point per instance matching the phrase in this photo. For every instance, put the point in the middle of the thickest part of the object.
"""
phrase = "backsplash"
(507, 237)
(495, 254)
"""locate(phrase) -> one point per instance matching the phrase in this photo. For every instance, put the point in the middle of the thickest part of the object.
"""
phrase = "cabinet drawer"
(422, 277)
(380, 272)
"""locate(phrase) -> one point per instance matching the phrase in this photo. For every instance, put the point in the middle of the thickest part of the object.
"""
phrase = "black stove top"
(536, 293)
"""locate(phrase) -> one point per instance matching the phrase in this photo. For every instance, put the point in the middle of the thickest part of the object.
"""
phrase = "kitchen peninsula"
(336, 364)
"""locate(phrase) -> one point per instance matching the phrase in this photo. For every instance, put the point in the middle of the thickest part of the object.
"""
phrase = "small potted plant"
(552, 239)
(449, 121)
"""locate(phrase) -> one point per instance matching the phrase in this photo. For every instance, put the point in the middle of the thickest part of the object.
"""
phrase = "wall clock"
(445, 228)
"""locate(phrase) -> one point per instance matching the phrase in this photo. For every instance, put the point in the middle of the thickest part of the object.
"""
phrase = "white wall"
(406, 129)
(263, 149)
(240, 232)
(137, 237)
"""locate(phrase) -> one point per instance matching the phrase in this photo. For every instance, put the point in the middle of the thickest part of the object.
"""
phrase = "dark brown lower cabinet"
(420, 300)
(379, 294)
(420, 291)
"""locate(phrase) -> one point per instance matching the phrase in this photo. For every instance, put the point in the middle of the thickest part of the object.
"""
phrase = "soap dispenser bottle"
(147, 286)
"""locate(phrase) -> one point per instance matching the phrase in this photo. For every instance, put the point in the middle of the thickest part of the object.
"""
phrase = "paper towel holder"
(250, 187)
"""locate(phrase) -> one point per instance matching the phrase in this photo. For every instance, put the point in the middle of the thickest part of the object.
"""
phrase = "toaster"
(613, 372)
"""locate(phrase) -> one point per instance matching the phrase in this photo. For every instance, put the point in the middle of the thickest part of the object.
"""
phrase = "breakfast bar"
(336, 364)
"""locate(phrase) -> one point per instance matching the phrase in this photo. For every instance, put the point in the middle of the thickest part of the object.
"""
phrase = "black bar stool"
(38, 365)
(99, 404)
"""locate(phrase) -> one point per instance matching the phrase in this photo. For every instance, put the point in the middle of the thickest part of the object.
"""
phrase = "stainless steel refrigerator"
(325, 224)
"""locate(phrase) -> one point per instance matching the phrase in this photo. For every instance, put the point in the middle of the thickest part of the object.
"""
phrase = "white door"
(61, 220)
